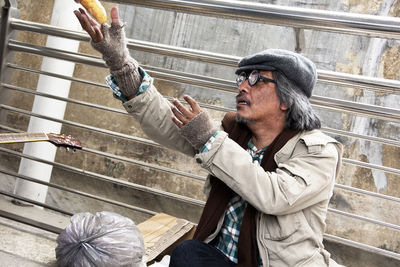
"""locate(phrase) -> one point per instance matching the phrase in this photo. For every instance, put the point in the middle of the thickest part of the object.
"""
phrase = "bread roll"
(95, 9)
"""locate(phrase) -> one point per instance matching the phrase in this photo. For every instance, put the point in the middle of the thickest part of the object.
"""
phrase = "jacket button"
(129, 106)
(199, 160)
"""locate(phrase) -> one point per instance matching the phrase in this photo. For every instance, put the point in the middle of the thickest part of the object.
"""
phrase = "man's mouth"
(240, 100)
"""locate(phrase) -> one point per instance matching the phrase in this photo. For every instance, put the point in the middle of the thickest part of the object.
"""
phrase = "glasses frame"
(243, 77)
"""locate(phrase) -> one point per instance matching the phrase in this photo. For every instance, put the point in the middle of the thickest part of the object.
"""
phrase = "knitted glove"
(116, 55)
(198, 130)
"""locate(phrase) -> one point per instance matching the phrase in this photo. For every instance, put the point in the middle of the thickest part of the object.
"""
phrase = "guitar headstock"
(64, 140)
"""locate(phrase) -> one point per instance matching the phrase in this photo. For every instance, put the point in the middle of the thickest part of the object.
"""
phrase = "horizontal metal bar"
(28, 221)
(365, 219)
(361, 136)
(184, 174)
(83, 126)
(44, 225)
(358, 245)
(121, 111)
(149, 142)
(30, 26)
(87, 104)
(69, 100)
(340, 186)
(324, 20)
(359, 81)
(56, 53)
(322, 102)
(212, 107)
(337, 78)
(327, 237)
(142, 188)
(98, 62)
(34, 202)
(199, 80)
(77, 192)
(187, 53)
(355, 107)
(13, 66)
(371, 166)
(365, 192)
(147, 165)
(170, 195)
(56, 75)
(9, 129)
(193, 79)
(201, 203)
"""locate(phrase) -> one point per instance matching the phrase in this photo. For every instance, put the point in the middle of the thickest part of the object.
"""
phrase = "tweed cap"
(294, 66)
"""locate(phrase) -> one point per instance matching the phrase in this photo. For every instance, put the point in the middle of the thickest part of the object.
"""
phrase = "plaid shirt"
(147, 80)
(228, 238)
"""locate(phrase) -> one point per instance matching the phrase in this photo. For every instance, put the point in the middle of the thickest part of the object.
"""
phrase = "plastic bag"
(103, 239)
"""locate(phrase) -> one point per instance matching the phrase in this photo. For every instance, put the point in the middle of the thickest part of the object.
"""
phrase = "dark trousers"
(194, 253)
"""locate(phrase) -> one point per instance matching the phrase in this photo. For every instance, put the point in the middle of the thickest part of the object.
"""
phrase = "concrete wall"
(336, 52)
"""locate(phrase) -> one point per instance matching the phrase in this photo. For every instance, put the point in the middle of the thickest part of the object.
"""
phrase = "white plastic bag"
(101, 240)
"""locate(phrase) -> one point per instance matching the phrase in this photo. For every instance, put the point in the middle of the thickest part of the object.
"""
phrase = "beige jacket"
(291, 202)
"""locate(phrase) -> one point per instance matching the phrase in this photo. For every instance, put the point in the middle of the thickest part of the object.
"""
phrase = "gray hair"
(300, 115)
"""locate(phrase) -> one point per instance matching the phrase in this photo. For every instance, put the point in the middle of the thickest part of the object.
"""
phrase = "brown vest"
(221, 194)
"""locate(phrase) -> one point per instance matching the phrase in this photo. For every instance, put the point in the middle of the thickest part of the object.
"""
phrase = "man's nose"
(244, 87)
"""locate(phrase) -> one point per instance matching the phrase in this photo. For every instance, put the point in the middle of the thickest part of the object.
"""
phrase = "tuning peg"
(67, 149)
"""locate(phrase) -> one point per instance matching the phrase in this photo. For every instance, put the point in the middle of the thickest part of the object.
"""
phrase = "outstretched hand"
(183, 115)
(194, 124)
(91, 26)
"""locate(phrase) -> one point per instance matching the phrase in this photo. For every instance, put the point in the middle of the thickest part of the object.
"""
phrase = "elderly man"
(271, 172)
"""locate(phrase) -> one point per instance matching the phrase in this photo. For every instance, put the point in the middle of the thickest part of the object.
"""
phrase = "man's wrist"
(198, 130)
(146, 81)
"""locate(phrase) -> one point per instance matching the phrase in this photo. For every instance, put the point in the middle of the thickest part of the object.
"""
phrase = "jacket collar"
(314, 138)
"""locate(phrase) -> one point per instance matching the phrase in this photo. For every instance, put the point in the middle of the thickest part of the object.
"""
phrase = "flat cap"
(297, 68)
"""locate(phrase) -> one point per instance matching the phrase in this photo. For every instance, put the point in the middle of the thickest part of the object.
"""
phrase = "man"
(271, 172)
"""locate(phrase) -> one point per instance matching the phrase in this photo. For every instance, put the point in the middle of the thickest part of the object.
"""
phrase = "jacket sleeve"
(153, 112)
(305, 178)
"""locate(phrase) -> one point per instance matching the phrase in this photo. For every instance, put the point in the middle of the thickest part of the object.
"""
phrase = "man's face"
(260, 102)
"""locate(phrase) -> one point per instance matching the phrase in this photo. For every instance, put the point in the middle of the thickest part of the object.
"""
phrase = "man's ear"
(283, 107)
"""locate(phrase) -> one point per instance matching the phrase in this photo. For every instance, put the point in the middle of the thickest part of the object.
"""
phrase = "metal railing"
(357, 24)
(383, 27)
(199, 80)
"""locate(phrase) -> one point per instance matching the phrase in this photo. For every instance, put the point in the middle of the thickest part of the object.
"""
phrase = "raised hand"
(93, 28)
(89, 25)
(195, 124)
(182, 115)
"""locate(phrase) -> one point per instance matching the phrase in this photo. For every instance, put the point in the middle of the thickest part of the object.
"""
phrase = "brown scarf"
(221, 194)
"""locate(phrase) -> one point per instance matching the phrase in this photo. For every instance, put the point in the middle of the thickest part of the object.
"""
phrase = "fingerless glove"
(116, 55)
(199, 130)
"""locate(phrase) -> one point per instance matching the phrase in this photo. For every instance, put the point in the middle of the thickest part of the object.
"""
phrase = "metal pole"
(349, 23)
(62, 16)
(8, 10)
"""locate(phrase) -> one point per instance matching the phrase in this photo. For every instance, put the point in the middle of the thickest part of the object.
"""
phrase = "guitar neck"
(6, 138)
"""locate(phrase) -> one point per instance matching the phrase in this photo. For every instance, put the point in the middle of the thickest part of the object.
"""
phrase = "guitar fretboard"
(6, 138)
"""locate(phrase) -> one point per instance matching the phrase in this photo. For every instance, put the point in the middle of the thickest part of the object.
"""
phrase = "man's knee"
(186, 247)
(183, 252)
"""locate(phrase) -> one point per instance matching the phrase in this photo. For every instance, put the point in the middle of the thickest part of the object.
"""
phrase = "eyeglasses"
(253, 78)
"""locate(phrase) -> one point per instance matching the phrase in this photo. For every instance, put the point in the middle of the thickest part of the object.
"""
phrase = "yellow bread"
(95, 9)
